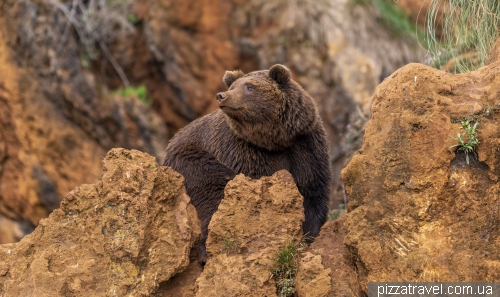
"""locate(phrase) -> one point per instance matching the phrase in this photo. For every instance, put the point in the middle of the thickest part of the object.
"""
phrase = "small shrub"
(286, 263)
(472, 141)
(132, 18)
(286, 287)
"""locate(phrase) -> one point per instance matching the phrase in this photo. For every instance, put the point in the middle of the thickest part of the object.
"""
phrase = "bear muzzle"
(228, 101)
(220, 97)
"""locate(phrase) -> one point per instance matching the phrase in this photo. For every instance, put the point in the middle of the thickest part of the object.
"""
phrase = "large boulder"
(121, 236)
(254, 220)
(417, 210)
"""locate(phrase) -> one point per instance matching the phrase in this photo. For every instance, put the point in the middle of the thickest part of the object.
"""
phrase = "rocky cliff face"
(55, 124)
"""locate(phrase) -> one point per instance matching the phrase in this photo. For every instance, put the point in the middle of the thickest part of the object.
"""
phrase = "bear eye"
(249, 88)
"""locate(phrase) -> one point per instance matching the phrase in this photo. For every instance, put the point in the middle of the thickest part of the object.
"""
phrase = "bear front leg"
(312, 176)
(315, 210)
(205, 179)
(206, 195)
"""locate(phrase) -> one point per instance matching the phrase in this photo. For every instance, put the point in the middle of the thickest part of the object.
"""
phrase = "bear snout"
(220, 97)
(229, 100)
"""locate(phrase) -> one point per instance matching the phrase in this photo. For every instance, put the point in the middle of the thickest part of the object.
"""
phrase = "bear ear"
(231, 76)
(280, 74)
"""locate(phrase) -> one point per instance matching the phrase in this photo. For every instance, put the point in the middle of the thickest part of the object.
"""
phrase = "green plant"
(334, 214)
(228, 243)
(285, 267)
(286, 287)
(139, 91)
(132, 18)
(472, 141)
(463, 31)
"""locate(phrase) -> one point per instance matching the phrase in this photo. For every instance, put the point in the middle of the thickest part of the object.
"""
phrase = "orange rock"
(313, 279)
(254, 220)
(330, 246)
(417, 211)
(123, 235)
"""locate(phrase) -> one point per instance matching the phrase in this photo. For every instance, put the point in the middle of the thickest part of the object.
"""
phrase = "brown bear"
(266, 122)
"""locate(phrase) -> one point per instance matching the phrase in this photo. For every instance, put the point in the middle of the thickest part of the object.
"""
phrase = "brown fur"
(266, 122)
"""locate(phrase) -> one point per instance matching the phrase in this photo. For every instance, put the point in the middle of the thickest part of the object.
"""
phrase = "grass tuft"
(230, 246)
(286, 263)
(469, 30)
(395, 18)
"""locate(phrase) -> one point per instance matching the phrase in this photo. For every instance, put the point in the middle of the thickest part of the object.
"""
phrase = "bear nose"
(220, 97)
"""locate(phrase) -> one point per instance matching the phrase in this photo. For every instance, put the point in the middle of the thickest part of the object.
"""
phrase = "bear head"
(267, 108)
